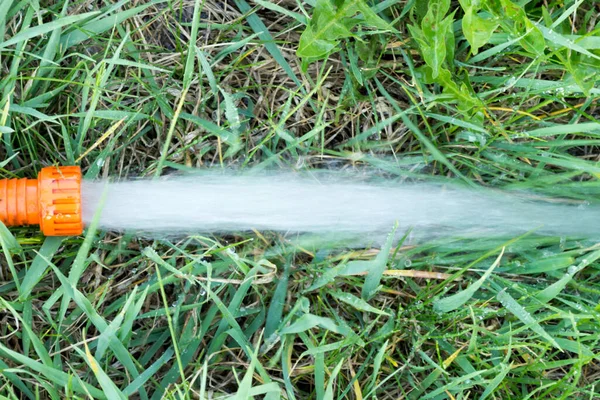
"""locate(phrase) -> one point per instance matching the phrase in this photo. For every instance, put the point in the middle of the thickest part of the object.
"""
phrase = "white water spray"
(322, 204)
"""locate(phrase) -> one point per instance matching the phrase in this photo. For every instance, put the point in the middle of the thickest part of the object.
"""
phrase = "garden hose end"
(52, 201)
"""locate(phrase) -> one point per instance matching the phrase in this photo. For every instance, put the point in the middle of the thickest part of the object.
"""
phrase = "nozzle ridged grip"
(59, 190)
(19, 202)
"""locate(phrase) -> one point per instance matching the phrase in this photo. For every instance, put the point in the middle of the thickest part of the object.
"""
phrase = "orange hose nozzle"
(53, 201)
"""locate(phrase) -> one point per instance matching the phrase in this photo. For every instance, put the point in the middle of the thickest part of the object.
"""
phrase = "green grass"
(142, 88)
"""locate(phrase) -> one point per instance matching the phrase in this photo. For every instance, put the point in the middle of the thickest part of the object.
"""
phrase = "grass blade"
(39, 266)
(48, 27)
(526, 318)
(457, 300)
(110, 389)
(101, 25)
(277, 303)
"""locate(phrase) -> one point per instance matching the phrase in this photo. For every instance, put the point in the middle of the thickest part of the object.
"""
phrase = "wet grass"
(147, 88)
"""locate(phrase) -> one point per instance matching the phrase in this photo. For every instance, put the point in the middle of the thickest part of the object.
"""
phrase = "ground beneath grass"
(493, 93)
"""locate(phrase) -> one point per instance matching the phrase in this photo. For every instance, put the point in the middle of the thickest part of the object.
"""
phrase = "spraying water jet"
(318, 203)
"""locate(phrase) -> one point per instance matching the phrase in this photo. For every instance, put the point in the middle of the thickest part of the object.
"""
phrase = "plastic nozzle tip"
(53, 201)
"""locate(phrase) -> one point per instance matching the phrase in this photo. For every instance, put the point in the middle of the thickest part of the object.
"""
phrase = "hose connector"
(52, 201)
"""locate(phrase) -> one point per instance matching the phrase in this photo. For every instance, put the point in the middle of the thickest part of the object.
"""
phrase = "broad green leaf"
(508, 9)
(461, 93)
(513, 20)
(435, 30)
(333, 21)
(450, 40)
(370, 17)
(585, 75)
(435, 38)
(326, 27)
(477, 30)
(534, 39)
(312, 47)
(467, 4)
